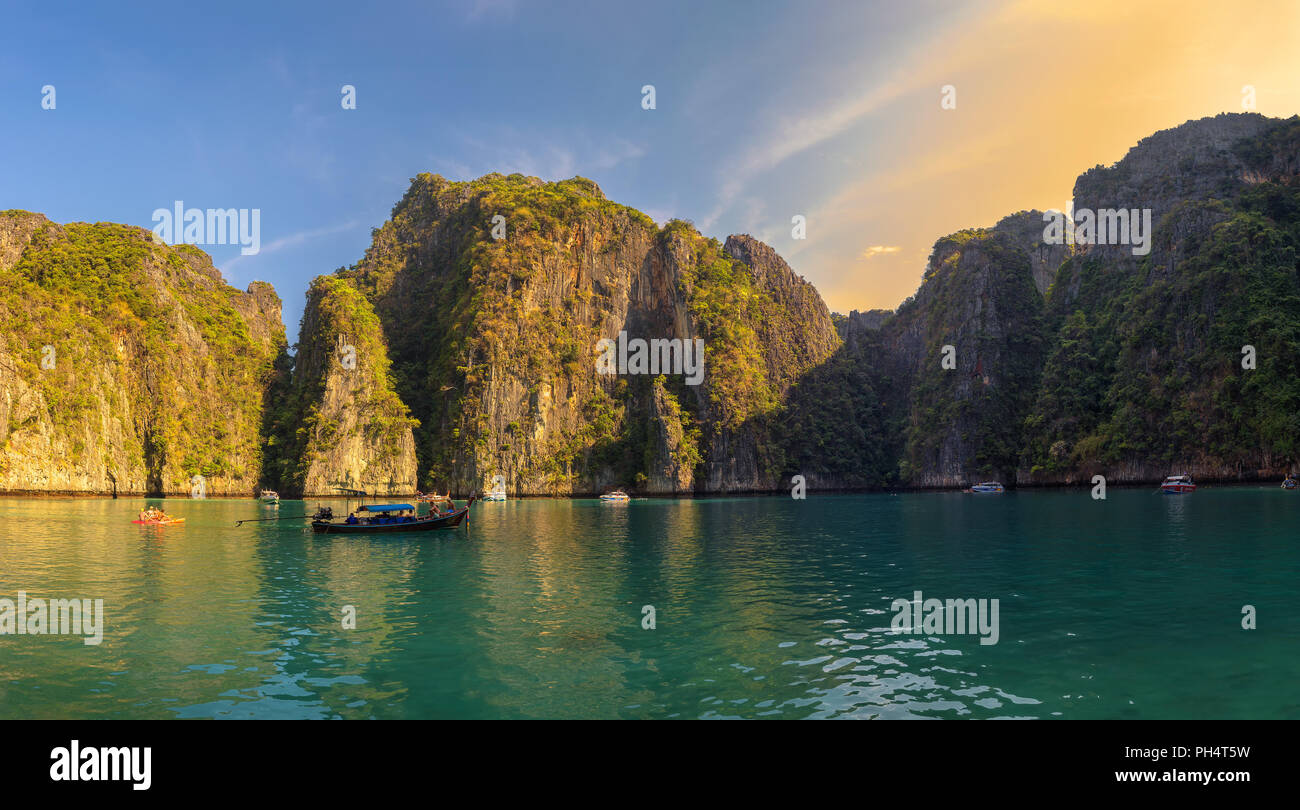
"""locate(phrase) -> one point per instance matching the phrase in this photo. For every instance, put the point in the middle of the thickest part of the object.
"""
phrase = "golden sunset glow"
(1043, 92)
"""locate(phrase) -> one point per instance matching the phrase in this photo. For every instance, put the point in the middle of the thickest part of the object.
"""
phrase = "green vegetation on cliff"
(492, 325)
(1152, 369)
(980, 299)
(341, 384)
(157, 368)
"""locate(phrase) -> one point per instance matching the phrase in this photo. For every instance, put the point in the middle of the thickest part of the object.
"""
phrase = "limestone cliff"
(127, 366)
(493, 297)
(1075, 360)
(340, 424)
(1186, 358)
(964, 355)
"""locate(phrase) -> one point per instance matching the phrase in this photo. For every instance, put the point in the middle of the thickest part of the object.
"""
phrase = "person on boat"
(351, 521)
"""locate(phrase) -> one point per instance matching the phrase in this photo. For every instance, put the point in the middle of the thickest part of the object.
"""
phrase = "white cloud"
(792, 135)
(292, 240)
(879, 250)
(509, 151)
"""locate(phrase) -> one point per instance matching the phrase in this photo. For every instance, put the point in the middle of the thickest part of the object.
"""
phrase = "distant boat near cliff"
(270, 497)
(1177, 485)
(987, 488)
(1289, 483)
(617, 496)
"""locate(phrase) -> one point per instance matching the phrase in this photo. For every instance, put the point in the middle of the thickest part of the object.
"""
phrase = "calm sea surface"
(765, 607)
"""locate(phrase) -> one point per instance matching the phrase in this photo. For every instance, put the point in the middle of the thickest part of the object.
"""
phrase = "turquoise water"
(765, 607)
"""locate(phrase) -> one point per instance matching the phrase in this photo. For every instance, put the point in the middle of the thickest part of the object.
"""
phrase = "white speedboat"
(987, 488)
(495, 495)
(269, 496)
(617, 496)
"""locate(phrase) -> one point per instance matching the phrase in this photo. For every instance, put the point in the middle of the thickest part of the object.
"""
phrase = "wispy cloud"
(482, 9)
(290, 241)
(879, 250)
(792, 134)
(547, 157)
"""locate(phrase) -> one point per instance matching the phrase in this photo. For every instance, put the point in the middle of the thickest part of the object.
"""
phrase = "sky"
(832, 111)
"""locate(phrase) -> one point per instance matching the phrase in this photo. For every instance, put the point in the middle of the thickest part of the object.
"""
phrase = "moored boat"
(1289, 483)
(987, 488)
(617, 496)
(269, 496)
(495, 495)
(1177, 485)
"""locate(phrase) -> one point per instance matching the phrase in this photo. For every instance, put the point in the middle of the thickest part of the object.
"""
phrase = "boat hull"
(1177, 489)
(424, 524)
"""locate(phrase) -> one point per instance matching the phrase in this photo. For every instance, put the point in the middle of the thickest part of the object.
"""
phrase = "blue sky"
(764, 110)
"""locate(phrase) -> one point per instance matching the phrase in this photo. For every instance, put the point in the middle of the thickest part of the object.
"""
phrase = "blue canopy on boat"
(389, 507)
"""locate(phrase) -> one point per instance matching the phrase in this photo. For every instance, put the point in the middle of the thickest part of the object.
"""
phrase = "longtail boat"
(392, 518)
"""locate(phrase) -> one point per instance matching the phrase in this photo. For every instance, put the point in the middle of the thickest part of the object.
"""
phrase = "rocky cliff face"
(1073, 360)
(340, 423)
(1148, 371)
(494, 328)
(1025, 230)
(127, 366)
(964, 355)
(1090, 359)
